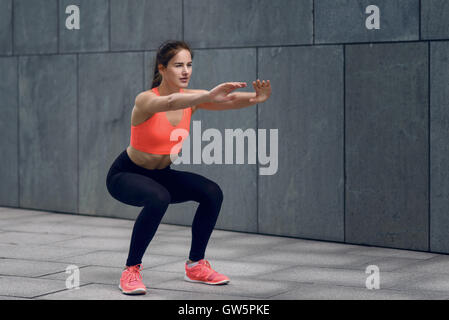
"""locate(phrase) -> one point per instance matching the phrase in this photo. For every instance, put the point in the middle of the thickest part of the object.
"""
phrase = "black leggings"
(154, 190)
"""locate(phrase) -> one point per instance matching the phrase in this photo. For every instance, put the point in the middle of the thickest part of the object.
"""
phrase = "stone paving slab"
(238, 286)
(393, 264)
(24, 287)
(13, 298)
(437, 264)
(186, 232)
(112, 292)
(18, 220)
(118, 259)
(330, 292)
(68, 229)
(111, 276)
(425, 282)
(310, 259)
(332, 276)
(36, 217)
(252, 242)
(229, 267)
(95, 243)
(99, 221)
(181, 248)
(15, 238)
(6, 213)
(300, 245)
(388, 252)
(39, 252)
(29, 268)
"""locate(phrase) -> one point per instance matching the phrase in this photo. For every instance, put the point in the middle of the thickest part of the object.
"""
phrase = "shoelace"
(208, 271)
(134, 273)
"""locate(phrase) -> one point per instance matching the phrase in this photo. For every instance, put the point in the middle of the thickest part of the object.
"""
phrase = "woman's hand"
(263, 91)
(221, 93)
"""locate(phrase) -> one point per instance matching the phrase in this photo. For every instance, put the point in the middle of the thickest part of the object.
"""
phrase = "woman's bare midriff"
(148, 160)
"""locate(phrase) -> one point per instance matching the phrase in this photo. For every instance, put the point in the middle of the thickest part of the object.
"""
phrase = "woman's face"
(179, 68)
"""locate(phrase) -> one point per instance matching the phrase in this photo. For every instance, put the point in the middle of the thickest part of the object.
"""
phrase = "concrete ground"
(37, 247)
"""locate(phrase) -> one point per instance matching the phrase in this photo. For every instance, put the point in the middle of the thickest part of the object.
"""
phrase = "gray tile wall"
(106, 98)
(93, 34)
(361, 113)
(48, 132)
(35, 24)
(434, 19)
(5, 27)
(439, 146)
(305, 197)
(9, 186)
(338, 21)
(387, 145)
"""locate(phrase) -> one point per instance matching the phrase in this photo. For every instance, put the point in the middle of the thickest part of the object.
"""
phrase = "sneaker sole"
(134, 292)
(205, 282)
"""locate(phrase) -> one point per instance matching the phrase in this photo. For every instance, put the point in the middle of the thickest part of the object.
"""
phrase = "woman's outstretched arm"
(242, 99)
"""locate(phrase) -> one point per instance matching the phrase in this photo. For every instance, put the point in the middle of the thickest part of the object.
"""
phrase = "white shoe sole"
(136, 291)
(198, 281)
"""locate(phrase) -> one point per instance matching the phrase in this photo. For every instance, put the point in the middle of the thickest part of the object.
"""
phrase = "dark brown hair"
(165, 53)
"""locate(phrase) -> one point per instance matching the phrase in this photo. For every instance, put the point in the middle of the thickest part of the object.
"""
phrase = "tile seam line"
(77, 136)
(12, 27)
(202, 292)
(344, 143)
(53, 292)
(237, 48)
(18, 129)
(257, 144)
(429, 146)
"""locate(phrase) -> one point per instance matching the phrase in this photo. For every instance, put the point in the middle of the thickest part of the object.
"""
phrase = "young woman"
(141, 175)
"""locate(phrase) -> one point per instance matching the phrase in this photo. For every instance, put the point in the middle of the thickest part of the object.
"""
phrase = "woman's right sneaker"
(203, 273)
(131, 280)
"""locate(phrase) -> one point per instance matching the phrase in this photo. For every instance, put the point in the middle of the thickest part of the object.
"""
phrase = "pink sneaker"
(131, 280)
(203, 273)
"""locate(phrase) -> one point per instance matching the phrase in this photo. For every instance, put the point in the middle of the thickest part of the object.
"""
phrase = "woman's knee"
(161, 198)
(213, 192)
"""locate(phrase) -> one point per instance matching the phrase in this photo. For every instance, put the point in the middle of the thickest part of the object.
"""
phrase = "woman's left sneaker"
(203, 273)
(131, 280)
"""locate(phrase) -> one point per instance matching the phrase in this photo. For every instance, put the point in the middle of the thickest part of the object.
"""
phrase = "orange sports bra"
(153, 135)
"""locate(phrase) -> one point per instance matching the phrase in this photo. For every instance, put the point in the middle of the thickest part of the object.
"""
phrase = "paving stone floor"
(37, 247)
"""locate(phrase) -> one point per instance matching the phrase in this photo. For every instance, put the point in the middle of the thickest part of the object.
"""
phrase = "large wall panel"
(35, 26)
(439, 151)
(217, 23)
(48, 133)
(144, 24)
(9, 185)
(435, 19)
(387, 157)
(305, 196)
(339, 21)
(93, 34)
(5, 27)
(108, 86)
